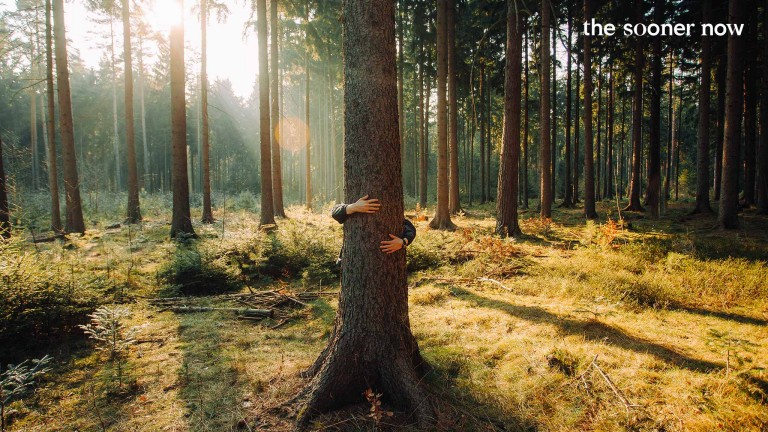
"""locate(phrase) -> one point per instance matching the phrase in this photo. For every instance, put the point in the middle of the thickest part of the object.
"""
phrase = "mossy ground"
(674, 312)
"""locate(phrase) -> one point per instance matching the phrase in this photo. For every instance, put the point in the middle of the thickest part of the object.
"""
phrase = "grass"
(674, 312)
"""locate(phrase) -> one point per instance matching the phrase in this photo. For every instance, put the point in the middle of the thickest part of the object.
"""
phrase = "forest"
(384, 215)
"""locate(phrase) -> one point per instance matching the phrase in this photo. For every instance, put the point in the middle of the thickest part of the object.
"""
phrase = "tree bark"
(371, 345)
(750, 115)
(181, 223)
(720, 74)
(482, 89)
(589, 160)
(422, 131)
(553, 125)
(506, 198)
(453, 113)
(670, 121)
(206, 143)
(526, 127)
(53, 175)
(609, 180)
(74, 210)
(545, 150)
(567, 188)
(134, 210)
(277, 169)
(637, 120)
(442, 219)
(599, 141)
(577, 133)
(265, 126)
(702, 147)
(307, 152)
(728, 206)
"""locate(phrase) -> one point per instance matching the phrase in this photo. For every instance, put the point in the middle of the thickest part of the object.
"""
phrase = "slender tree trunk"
(307, 153)
(762, 158)
(115, 131)
(622, 158)
(277, 168)
(206, 142)
(553, 125)
(53, 175)
(181, 223)
(442, 219)
(720, 74)
(488, 141)
(637, 120)
(729, 201)
(670, 120)
(354, 361)
(149, 184)
(506, 198)
(545, 150)
(453, 111)
(5, 215)
(751, 98)
(33, 139)
(134, 210)
(426, 144)
(609, 181)
(482, 89)
(654, 147)
(702, 148)
(567, 188)
(589, 160)
(599, 141)
(525, 129)
(74, 221)
(676, 143)
(265, 126)
(423, 120)
(577, 133)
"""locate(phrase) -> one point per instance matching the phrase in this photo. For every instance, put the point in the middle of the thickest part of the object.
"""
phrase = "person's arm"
(364, 205)
(396, 243)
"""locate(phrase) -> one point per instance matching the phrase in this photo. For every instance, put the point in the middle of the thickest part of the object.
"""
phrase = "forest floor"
(629, 325)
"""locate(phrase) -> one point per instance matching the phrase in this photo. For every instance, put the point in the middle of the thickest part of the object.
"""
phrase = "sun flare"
(164, 14)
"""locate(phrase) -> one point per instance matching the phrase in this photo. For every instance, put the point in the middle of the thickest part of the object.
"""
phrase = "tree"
(74, 222)
(267, 209)
(506, 193)
(5, 216)
(354, 360)
(453, 108)
(134, 211)
(637, 120)
(729, 200)
(589, 160)
(702, 147)
(654, 146)
(567, 188)
(181, 222)
(545, 152)
(277, 173)
(762, 157)
(206, 143)
(442, 219)
(53, 175)
(306, 117)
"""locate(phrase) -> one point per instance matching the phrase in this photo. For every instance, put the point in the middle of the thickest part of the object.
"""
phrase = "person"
(365, 205)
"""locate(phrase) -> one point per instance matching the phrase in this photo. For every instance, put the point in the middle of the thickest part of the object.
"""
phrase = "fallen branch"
(613, 387)
(495, 282)
(263, 313)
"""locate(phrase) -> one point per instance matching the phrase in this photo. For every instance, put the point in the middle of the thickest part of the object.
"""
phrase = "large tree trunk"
(751, 93)
(277, 170)
(589, 160)
(762, 158)
(553, 125)
(567, 188)
(74, 222)
(265, 126)
(506, 198)
(442, 219)
(181, 222)
(53, 175)
(729, 201)
(206, 142)
(134, 211)
(371, 345)
(545, 151)
(637, 121)
(454, 203)
(654, 147)
(702, 148)
(5, 216)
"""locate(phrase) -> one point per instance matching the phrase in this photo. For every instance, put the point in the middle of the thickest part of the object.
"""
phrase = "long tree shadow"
(593, 331)
(728, 316)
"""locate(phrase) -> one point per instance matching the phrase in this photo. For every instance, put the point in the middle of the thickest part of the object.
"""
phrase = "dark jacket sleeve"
(339, 213)
(409, 231)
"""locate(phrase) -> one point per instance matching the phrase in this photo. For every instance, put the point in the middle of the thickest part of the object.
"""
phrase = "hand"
(393, 245)
(364, 205)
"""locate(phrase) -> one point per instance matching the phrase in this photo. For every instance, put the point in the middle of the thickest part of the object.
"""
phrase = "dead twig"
(495, 282)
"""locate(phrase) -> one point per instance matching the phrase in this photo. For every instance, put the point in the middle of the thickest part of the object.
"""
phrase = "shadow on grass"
(593, 331)
(728, 316)
(210, 383)
(190, 272)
